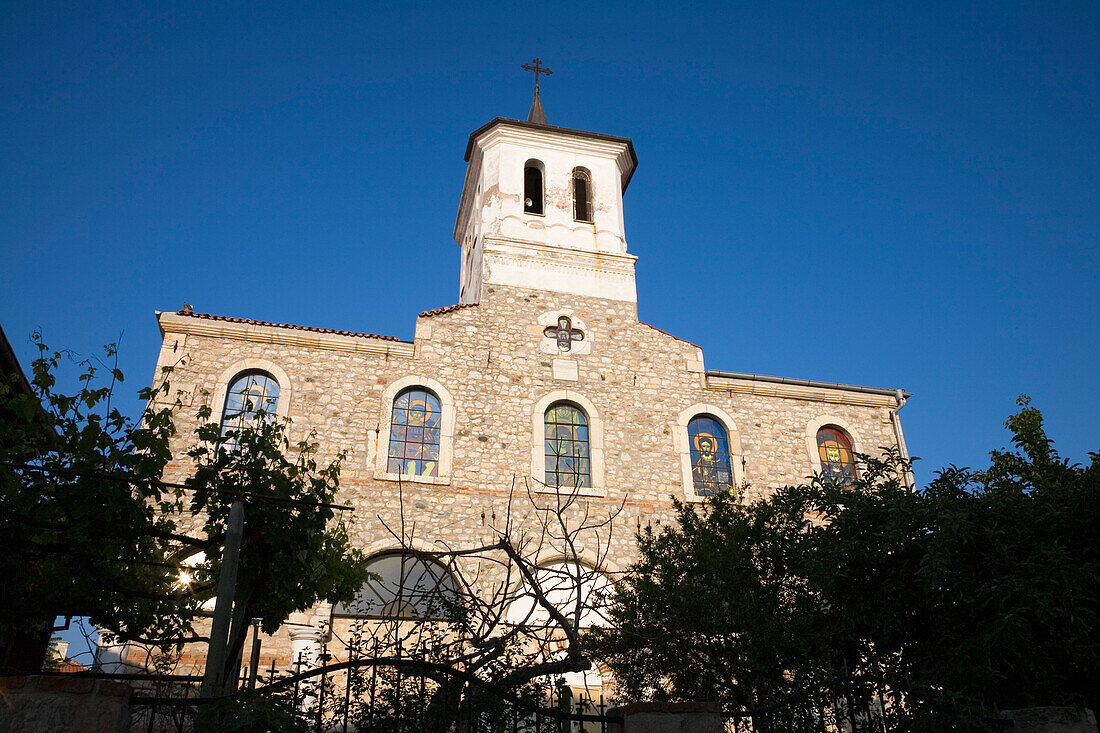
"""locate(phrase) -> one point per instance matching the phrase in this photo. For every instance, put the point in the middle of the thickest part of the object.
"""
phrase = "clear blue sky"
(896, 195)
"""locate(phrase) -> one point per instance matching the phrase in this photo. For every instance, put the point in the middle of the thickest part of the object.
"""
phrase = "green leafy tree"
(80, 507)
(252, 712)
(89, 528)
(984, 586)
(293, 552)
(1012, 576)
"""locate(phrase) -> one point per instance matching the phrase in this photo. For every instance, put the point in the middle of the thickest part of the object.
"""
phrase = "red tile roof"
(250, 321)
(447, 309)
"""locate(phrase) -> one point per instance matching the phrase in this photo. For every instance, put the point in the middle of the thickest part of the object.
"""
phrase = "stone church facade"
(541, 374)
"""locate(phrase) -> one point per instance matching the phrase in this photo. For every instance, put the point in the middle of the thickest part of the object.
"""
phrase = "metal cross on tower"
(538, 68)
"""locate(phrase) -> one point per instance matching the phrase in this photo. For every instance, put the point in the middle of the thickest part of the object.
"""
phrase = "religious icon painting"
(835, 451)
(710, 456)
(567, 459)
(414, 434)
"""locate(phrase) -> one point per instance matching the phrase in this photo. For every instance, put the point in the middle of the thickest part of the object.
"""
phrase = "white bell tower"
(542, 209)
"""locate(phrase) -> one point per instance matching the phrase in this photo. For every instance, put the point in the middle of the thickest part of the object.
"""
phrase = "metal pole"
(353, 654)
(323, 659)
(233, 681)
(297, 683)
(212, 681)
(254, 661)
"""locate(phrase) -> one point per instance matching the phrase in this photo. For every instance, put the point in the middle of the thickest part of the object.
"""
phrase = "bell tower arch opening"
(533, 191)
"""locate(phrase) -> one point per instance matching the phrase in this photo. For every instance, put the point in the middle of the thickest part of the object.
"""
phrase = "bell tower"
(542, 209)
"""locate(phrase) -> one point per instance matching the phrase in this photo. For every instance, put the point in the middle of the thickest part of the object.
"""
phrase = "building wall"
(496, 371)
(41, 703)
(496, 365)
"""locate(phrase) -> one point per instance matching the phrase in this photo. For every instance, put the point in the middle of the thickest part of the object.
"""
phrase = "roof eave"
(10, 367)
(562, 130)
(884, 391)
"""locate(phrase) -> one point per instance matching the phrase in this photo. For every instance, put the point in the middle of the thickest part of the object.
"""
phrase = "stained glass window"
(835, 451)
(710, 456)
(564, 334)
(582, 195)
(248, 394)
(407, 587)
(567, 461)
(414, 433)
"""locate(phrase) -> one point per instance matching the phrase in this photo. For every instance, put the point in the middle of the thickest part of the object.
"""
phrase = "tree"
(1013, 576)
(467, 627)
(79, 498)
(90, 529)
(984, 585)
(293, 554)
(717, 607)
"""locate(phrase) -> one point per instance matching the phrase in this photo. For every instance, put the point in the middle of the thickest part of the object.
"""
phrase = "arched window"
(582, 195)
(710, 456)
(414, 433)
(562, 583)
(532, 187)
(407, 587)
(567, 461)
(249, 394)
(834, 448)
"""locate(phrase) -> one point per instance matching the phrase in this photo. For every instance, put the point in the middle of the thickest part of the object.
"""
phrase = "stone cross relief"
(564, 333)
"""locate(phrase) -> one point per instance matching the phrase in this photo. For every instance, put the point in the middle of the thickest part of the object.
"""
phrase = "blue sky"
(895, 195)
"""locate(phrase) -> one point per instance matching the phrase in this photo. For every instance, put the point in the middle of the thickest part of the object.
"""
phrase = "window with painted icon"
(834, 448)
(567, 459)
(414, 433)
(711, 472)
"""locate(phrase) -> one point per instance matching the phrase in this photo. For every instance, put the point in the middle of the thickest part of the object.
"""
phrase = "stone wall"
(706, 717)
(496, 364)
(1051, 720)
(64, 704)
(668, 717)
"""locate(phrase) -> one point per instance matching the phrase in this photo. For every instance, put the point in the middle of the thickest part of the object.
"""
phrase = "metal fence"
(395, 695)
(387, 695)
(371, 696)
(848, 705)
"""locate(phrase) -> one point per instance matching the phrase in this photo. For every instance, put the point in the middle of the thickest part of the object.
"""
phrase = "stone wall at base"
(1051, 720)
(706, 717)
(59, 704)
(668, 717)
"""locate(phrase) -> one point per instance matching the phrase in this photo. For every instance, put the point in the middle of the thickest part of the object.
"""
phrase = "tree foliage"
(79, 541)
(293, 552)
(984, 585)
(89, 528)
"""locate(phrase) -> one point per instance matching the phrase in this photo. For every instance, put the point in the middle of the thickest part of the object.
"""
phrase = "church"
(541, 373)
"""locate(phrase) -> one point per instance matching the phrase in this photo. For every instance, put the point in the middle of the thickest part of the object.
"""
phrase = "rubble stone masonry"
(495, 371)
